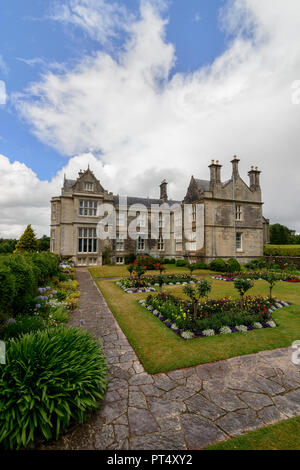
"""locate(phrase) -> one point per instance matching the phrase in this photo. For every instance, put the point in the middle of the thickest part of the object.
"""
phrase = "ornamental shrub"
(181, 263)
(233, 265)
(218, 265)
(51, 379)
(26, 282)
(7, 289)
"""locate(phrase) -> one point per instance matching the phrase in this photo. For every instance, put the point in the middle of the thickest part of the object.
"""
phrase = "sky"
(143, 90)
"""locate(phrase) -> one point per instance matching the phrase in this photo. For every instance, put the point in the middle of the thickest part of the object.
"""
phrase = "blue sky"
(143, 90)
(27, 33)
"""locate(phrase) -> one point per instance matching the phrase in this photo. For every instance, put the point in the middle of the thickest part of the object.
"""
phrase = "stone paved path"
(183, 409)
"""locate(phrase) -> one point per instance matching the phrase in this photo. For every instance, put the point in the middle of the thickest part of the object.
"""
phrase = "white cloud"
(147, 125)
(3, 96)
(101, 20)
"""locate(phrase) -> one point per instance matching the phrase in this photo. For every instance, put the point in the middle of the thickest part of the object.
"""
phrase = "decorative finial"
(235, 157)
(256, 168)
(217, 162)
(213, 162)
(252, 168)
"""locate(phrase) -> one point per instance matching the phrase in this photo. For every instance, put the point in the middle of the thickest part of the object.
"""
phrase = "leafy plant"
(243, 285)
(218, 265)
(271, 279)
(51, 379)
(202, 290)
(27, 241)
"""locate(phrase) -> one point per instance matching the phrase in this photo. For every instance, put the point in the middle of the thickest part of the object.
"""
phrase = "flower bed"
(145, 284)
(258, 276)
(223, 316)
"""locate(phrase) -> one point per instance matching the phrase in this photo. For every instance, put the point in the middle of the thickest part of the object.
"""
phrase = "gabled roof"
(203, 184)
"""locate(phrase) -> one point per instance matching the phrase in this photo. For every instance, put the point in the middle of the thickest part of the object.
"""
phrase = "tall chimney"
(254, 178)
(218, 172)
(213, 175)
(163, 191)
(235, 166)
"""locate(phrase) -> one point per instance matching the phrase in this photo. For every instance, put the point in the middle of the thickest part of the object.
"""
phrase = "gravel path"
(182, 409)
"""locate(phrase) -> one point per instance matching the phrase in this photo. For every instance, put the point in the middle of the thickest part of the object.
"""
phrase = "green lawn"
(161, 350)
(121, 271)
(284, 435)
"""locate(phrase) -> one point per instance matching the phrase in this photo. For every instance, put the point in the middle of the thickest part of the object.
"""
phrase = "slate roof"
(143, 200)
(203, 184)
(68, 183)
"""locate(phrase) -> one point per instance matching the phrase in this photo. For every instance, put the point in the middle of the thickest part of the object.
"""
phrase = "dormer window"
(89, 186)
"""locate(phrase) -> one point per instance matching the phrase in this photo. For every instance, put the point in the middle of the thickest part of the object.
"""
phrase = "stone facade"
(228, 221)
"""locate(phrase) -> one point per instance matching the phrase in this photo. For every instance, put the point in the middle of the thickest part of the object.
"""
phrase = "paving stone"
(268, 386)
(137, 400)
(227, 400)
(112, 411)
(169, 423)
(170, 441)
(271, 415)
(164, 382)
(238, 422)
(194, 382)
(199, 432)
(151, 390)
(161, 408)
(141, 422)
(138, 367)
(179, 393)
(141, 379)
(257, 401)
(289, 403)
(213, 370)
(121, 432)
(200, 405)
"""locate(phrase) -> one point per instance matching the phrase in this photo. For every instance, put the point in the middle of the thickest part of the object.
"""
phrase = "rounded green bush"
(51, 379)
(233, 265)
(218, 265)
(7, 289)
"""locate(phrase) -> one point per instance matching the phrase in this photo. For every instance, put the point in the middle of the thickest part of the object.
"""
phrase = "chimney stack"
(235, 166)
(215, 172)
(163, 191)
(254, 175)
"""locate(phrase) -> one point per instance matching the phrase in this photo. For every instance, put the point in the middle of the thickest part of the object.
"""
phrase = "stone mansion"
(230, 222)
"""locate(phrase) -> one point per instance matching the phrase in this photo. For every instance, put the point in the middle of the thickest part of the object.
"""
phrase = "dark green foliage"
(20, 275)
(233, 266)
(130, 258)
(7, 289)
(146, 262)
(280, 235)
(243, 285)
(44, 243)
(52, 379)
(7, 245)
(169, 261)
(256, 264)
(23, 324)
(26, 281)
(200, 265)
(181, 263)
(218, 265)
(106, 255)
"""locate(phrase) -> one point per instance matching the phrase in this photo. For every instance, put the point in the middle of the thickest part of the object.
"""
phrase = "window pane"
(80, 245)
(85, 245)
(95, 246)
(90, 245)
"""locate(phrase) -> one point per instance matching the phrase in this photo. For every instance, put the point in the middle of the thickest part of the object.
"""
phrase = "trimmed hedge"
(282, 250)
(51, 379)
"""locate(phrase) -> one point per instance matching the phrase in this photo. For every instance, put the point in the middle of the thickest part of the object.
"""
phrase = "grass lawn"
(284, 435)
(121, 271)
(161, 350)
